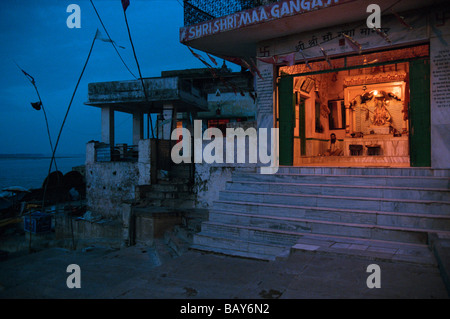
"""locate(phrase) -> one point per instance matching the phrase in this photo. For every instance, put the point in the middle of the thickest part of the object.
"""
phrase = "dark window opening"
(337, 115)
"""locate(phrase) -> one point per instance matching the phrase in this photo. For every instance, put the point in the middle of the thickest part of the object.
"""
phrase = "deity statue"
(381, 116)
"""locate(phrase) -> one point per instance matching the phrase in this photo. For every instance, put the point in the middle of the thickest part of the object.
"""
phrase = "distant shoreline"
(30, 170)
(38, 156)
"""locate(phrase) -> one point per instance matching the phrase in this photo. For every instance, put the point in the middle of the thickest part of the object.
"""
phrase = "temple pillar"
(169, 121)
(348, 120)
(107, 118)
(138, 127)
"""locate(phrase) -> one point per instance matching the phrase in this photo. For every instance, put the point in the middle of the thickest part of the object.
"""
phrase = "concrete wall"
(231, 106)
(440, 92)
(110, 184)
(265, 89)
(145, 162)
(211, 178)
(79, 233)
(208, 182)
(158, 89)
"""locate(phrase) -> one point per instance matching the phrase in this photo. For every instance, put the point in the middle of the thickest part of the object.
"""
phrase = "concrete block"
(305, 247)
(152, 224)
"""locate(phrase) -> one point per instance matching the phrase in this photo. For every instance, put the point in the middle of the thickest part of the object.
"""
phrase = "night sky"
(35, 35)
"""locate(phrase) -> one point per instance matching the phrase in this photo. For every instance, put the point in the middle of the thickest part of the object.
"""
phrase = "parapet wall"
(110, 184)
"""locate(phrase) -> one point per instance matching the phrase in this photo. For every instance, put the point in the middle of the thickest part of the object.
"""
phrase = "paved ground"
(134, 273)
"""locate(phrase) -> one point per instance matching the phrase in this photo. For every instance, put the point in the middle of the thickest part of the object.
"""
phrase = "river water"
(29, 171)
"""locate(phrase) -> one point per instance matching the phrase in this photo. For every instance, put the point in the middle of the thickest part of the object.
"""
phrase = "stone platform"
(355, 161)
(390, 146)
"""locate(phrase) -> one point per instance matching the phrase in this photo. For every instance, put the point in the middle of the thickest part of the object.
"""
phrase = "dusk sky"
(35, 35)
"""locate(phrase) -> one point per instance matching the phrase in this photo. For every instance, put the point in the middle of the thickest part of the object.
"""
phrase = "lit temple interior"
(355, 116)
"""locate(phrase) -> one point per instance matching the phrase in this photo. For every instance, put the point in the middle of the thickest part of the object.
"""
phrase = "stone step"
(299, 226)
(251, 233)
(229, 252)
(169, 195)
(176, 187)
(380, 213)
(384, 171)
(173, 181)
(376, 250)
(242, 248)
(161, 251)
(176, 243)
(183, 233)
(180, 171)
(191, 223)
(193, 218)
(197, 213)
(289, 236)
(375, 204)
(343, 190)
(354, 180)
(426, 221)
(390, 219)
(349, 161)
(179, 203)
(385, 230)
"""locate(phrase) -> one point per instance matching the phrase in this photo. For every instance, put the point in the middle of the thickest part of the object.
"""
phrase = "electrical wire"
(112, 42)
(64, 121)
(139, 69)
(180, 3)
(33, 82)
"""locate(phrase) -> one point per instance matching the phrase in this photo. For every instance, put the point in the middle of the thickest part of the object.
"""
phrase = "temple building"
(356, 97)
(359, 93)
(380, 91)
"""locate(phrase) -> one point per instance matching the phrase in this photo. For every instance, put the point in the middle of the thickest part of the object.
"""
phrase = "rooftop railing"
(117, 153)
(197, 11)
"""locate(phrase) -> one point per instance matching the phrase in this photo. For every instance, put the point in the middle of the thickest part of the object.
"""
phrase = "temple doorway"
(373, 114)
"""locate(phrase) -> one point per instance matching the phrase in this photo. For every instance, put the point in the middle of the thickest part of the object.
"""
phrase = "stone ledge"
(365, 248)
(440, 246)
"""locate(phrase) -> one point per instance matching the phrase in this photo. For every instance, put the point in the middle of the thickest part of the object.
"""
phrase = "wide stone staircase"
(380, 213)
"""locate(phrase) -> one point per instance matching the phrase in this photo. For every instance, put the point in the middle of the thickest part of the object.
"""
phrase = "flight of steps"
(172, 196)
(173, 189)
(386, 213)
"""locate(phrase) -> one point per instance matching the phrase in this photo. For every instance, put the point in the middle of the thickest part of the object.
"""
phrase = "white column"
(90, 153)
(348, 121)
(138, 127)
(167, 126)
(144, 162)
(107, 117)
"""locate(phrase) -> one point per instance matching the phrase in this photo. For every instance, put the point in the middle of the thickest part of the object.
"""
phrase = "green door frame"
(419, 109)
(419, 113)
(286, 116)
(301, 126)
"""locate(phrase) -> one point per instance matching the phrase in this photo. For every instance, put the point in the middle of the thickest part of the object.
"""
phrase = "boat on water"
(11, 196)
(58, 188)
(17, 202)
